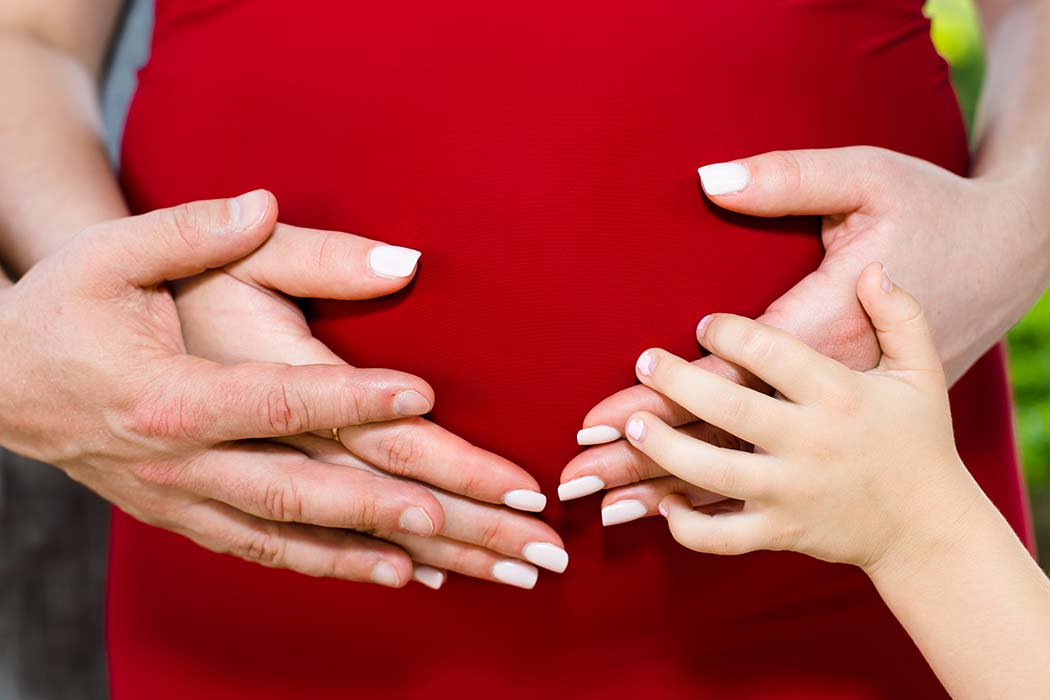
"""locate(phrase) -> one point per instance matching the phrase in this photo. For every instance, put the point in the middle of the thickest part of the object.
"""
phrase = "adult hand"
(96, 380)
(241, 312)
(967, 248)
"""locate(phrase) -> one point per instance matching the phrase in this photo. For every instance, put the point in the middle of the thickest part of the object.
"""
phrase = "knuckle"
(159, 417)
(284, 410)
(185, 221)
(735, 408)
(726, 477)
(266, 548)
(282, 500)
(493, 533)
(401, 450)
(757, 345)
(789, 169)
(364, 513)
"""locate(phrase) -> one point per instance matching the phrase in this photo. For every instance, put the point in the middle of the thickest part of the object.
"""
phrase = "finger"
(619, 463)
(429, 576)
(734, 533)
(502, 531)
(182, 241)
(419, 449)
(751, 416)
(900, 324)
(780, 360)
(216, 402)
(733, 473)
(310, 550)
(284, 485)
(642, 500)
(466, 559)
(814, 182)
(604, 422)
(305, 262)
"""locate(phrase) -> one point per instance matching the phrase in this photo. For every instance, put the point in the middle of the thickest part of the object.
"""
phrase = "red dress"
(542, 155)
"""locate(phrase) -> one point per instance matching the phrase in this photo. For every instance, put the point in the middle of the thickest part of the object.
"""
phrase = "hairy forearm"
(55, 177)
(975, 603)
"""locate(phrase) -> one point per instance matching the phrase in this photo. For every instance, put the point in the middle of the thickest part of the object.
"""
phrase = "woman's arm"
(56, 178)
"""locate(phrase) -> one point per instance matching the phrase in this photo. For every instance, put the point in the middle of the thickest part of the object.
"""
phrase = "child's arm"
(859, 468)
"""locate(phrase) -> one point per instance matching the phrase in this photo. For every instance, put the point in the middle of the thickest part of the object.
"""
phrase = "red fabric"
(543, 157)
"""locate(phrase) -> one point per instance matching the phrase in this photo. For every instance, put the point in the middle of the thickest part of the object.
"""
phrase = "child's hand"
(848, 467)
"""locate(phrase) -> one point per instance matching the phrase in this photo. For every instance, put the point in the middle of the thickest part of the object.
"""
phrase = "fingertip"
(637, 427)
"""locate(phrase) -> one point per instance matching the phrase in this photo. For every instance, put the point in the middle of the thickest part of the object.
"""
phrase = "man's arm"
(56, 177)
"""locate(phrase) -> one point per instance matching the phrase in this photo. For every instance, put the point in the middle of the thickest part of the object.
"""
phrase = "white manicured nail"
(392, 260)
(623, 512)
(515, 573)
(547, 555)
(385, 575)
(597, 435)
(583, 486)
(523, 499)
(724, 178)
(428, 576)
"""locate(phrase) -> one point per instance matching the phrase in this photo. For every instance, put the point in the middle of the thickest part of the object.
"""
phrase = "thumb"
(900, 324)
(805, 182)
(182, 241)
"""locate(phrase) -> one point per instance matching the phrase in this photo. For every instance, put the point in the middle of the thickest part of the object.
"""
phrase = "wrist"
(939, 522)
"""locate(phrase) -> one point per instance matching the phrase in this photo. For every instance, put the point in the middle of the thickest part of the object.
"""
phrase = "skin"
(58, 182)
(857, 468)
(988, 232)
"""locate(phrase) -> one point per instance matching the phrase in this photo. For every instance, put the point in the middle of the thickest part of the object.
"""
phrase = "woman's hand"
(240, 313)
(973, 250)
(849, 467)
(95, 378)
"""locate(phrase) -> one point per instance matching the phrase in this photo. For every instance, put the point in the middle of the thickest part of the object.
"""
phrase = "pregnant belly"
(543, 158)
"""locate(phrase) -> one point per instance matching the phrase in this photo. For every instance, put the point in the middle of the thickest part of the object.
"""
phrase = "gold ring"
(335, 435)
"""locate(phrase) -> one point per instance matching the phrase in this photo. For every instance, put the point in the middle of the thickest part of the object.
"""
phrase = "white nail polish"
(428, 576)
(392, 260)
(515, 573)
(724, 178)
(385, 575)
(583, 486)
(597, 435)
(547, 555)
(523, 499)
(623, 512)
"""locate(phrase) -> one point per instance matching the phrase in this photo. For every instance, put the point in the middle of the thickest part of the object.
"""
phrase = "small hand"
(241, 312)
(96, 380)
(848, 466)
(876, 205)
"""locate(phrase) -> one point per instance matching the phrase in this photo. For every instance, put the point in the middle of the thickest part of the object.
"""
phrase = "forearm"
(55, 177)
(975, 603)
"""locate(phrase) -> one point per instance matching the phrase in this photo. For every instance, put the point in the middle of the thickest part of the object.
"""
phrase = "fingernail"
(515, 573)
(636, 429)
(428, 576)
(248, 209)
(523, 499)
(623, 512)
(415, 521)
(886, 282)
(583, 486)
(411, 403)
(724, 178)
(385, 575)
(645, 364)
(662, 508)
(547, 555)
(597, 435)
(701, 327)
(392, 260)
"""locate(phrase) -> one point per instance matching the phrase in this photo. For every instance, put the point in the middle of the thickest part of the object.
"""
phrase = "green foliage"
(956, 35)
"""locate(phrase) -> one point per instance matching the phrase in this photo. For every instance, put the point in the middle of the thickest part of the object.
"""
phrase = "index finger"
(419, 449)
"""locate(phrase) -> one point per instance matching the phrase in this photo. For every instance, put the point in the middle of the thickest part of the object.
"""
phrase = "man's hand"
(241, 313)
(969, 249)
(96, 379)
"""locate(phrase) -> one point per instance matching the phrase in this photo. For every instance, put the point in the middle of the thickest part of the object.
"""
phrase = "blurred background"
(52, 566)
(957, 36)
